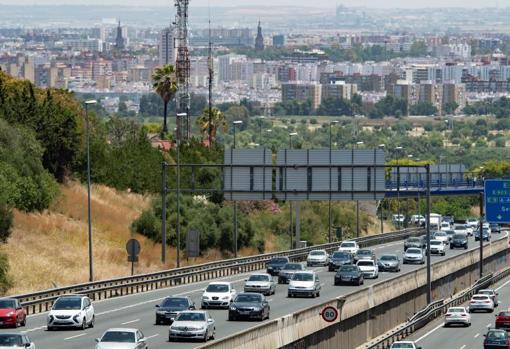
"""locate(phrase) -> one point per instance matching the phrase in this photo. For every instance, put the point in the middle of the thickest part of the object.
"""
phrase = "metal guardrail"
(42, 301)
(433, 311)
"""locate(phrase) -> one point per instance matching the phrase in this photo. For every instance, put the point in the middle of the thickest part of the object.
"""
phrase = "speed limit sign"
(329, 314)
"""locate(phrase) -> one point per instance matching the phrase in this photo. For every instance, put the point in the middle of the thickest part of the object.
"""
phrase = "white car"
(192, 324)
(457, 315)
(15, 340)
(261, 283)
(472, 223)
(317, 257)
(413, 255)
(71, 311)
(445, 226)
(463, 229)
(369, 268)
(481, 302)
(218, 294)
(349, 246)
(437, 247)
(441, 236)
(121, 338)
(304, 283)
(404, 345)
(398, 218)
(417, 219)
(487, 226)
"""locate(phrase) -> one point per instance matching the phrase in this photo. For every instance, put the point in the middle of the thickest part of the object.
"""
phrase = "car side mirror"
(28, 345)
(141, 340)
(210, 321)
(157, 305)
(98, 340)
(192, 307)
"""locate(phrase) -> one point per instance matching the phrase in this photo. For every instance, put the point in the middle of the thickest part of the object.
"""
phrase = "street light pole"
(291, 225)
(382, 146)
(237, 122)
(329, 201)
(89, 213)
(398, 187)
(357, 204)
(261, 118)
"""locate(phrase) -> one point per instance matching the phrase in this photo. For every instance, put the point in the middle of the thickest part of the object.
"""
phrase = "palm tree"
(218, 121)
(165, 85)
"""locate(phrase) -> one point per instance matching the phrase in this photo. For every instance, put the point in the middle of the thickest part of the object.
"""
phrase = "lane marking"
(153, 336)
(462, 347)
(73, 337)
(430, 332)
(488, 325)
(130, 322)
(35, 329)
(476, 335)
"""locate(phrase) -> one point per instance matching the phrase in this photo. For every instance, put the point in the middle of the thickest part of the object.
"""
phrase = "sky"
(316, 3)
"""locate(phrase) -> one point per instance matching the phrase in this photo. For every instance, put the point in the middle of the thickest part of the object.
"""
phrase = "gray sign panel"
(248, 179)
(321, 174)
(193, 244)
(439, 174)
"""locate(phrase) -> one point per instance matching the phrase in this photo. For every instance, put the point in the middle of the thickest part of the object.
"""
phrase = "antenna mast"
(183, 71)
(211, 77)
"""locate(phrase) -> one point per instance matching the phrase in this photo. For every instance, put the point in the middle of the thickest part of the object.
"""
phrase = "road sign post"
(497, 201)
(133, 250)
(329, 314)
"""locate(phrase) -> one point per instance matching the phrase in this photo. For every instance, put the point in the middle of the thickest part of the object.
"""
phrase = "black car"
(170, 306)
(288, 271)
(338, 259)
(459, 241)
(276, 264)
(349, 274)
(413, 242)
(249, 306)
(496, 339)
(364, 254)
(495, 228)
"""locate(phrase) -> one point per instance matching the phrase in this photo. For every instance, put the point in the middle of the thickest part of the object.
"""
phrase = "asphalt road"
(139, 310)
(435, 335)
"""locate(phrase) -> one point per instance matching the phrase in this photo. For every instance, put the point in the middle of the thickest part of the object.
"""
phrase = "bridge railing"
(433, 311)
(438, 180)
(43, 300)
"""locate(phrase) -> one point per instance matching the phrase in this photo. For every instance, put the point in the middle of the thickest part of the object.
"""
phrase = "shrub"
(6, 219)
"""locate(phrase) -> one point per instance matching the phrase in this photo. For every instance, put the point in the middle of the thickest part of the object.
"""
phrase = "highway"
(139, 310)
(435, 335)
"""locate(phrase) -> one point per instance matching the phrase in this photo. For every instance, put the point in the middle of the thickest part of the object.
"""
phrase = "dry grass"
(51, 248)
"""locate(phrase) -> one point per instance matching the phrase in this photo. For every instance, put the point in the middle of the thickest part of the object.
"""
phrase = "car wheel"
(319, 294)
(468, 324)
(213, 333)
(465, 247)
(24, 322)
(92, 322)
(169, 338)
(206, 337)
(203, 306)
(84, 324)
(50, 328)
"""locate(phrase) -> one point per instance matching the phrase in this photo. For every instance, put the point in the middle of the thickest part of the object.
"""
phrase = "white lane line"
(462, 347)
(73, 337)
(130, 322)
(488, 325)
(153, 336)
(35, 329)
(476, 335)
(430, 332)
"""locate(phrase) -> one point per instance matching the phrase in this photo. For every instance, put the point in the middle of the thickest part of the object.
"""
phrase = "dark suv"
(276, 264)
(459, 241)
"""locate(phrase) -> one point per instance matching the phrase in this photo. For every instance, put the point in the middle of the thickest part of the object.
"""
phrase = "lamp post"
(291, 226)
(334, 122)
(398, 150)
(382, 146)
(91, 264)
(178, 201)
(234, 124)
(357, 202)
(260, 121)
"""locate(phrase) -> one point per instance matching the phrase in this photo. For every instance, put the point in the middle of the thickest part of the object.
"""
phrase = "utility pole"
(429, 267)
(89, 212)
(211, 78)
(481, 233)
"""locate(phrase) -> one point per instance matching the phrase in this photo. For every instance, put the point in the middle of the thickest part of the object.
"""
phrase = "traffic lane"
(141, 315)
(435, 335)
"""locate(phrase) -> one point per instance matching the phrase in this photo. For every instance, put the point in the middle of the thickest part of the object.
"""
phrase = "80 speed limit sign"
(329, 314)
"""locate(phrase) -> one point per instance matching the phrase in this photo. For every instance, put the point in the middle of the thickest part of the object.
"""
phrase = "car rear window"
(366, 263)
(480, 298)
(504, 313)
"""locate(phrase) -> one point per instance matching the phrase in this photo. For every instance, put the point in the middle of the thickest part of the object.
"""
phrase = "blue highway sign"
(497, 201)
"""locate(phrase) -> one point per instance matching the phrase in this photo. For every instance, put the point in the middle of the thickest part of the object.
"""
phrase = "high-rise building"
(408, 91)
(167, 51)
(259, 40)
(279, 40)
(302, 91)
(432, 93)
(120, 41)
(339, 90)
(453, 92)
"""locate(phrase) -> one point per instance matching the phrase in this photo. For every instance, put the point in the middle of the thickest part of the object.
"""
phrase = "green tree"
(450, 107)
(423, 108)
(212, 123)
(165, 85)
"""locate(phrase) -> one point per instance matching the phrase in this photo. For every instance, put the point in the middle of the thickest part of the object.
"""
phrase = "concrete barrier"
(369, 312)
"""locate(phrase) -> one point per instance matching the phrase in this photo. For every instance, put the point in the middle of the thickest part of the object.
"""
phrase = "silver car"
(389, 262)
(304, 283)
(125, 338)
(493, 294)
(413, 255)
(481, 302)
(192, 324)
(261, 283)
(317, 257)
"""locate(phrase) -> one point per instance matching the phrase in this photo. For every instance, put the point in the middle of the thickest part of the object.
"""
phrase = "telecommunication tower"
(183, 69)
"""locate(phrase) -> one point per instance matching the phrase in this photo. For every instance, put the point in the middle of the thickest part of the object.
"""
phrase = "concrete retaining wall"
(369, 312)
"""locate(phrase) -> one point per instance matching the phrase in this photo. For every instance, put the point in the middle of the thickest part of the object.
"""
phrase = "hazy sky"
(317, 3)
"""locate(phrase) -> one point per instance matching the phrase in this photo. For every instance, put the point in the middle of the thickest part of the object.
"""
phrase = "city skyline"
(300, 3)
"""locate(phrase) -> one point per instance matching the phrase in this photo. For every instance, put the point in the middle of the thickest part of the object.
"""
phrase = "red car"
(503, 319)
(12, 313)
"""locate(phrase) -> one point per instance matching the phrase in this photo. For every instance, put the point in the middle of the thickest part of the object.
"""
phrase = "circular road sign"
(329, 314)
(133, 247)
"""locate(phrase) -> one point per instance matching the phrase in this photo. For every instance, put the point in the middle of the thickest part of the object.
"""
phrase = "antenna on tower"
(183, 69)
(210, 64)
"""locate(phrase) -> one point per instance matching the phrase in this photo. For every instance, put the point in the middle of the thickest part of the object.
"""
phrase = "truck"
(435, 221)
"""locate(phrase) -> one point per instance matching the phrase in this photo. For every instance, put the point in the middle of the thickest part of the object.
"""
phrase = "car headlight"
(75, 318)
(225, 298)
(12, 313)
(160, 312)
(257, 308)
(233, 308)
(205, 298)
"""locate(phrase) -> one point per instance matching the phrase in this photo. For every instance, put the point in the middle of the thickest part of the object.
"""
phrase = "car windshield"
(496, 335)
(366, 263)
(487, 292)
(460, 227)
(504, 313)
(259, 277)
(347, 244)
(180, 303)
(218, 288)
(413, 251)
(402, 346)
(365, 252)
(10, 340)
(67, 303)
(439, 234)
(341, 255)
(279, 260)
(248, 298)
(302, 277)
(7, 303)
(317, 253)
(119, 337)
(190, 317)
(413, 240)
(456, 310)
(389, 258)
(293, 266)
(459, 236)
(436, 242)
(348, 268)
